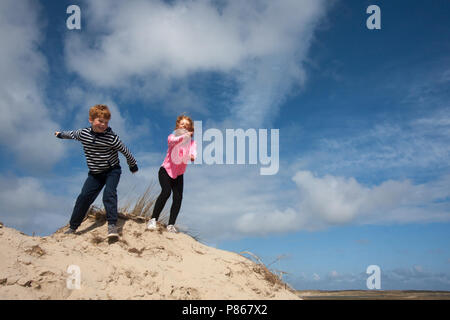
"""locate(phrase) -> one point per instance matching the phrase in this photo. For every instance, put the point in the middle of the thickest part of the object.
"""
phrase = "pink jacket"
(178, 154)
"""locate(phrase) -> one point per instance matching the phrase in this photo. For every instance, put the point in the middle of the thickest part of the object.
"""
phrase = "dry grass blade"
(144, 203)
(252, 255)
(268, 275)
(140, 204)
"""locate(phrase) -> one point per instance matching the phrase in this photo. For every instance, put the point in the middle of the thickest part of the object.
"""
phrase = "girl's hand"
(56, 133)
(192, 158)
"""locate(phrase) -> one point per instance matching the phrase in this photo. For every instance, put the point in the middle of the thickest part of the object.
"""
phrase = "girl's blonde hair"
(181, 117)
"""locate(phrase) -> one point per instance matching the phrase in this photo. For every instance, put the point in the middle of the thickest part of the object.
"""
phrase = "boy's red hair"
(99, 111)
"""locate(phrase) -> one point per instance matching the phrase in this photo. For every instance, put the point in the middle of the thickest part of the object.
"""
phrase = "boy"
(100, 146)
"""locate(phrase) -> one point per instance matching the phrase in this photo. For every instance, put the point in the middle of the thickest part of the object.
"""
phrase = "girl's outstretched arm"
(172, 140)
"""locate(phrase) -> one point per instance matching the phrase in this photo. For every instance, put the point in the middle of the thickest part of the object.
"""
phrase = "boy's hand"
(134, 168)
(58, 134)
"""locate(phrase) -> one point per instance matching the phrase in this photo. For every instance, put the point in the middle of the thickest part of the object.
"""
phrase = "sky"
(358, 119)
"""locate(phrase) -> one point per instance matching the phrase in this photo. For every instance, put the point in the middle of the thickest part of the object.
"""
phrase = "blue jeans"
(91, 188)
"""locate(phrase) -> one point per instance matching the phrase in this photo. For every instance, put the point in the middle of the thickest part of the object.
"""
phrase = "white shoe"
(171, 228)
(152, 224)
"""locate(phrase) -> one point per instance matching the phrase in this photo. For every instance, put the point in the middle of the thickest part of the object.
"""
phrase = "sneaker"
(112, 230)
(70, 231)
(152, 224)
(171, 228)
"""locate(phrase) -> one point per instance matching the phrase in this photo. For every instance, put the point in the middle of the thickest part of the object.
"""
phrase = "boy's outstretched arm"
(75, 134)
(118, 145)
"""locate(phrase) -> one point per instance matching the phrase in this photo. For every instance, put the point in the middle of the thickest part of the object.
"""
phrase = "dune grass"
(273, 276)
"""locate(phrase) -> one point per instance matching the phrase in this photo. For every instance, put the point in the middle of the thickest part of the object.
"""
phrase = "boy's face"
(99, 125)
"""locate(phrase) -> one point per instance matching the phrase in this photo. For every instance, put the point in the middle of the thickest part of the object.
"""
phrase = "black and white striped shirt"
(100, 149)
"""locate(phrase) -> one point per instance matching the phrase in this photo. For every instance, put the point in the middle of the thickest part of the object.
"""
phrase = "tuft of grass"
(143, 204)
(36, 251)
(268, 274)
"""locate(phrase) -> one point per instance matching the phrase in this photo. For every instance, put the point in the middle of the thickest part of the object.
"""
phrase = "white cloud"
(321, 202)
(331, 200)
(261, 44)
(270, 222)
(26, 128)
(25, 205)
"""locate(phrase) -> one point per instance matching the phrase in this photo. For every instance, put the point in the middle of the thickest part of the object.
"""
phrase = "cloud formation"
(25, 122)
(29, 207)
(333, 200)
(260, 44)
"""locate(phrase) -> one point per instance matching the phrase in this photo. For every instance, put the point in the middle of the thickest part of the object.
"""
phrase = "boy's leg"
(110, 195)
(164, 181)
(91, 188)
(177, 189)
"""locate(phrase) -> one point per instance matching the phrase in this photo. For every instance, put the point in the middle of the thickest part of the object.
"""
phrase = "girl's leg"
(164, 181)
(177, 189)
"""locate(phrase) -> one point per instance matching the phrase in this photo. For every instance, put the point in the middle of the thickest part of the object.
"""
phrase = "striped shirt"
(100, 149)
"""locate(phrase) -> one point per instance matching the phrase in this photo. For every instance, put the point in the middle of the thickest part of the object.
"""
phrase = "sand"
(140, 265)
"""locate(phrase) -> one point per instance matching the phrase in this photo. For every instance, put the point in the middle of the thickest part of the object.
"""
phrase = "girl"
(181, 149)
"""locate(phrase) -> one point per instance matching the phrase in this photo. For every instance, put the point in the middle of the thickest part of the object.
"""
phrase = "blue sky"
(363, 119)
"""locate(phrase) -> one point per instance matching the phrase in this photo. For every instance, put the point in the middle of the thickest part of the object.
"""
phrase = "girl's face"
(184, 124)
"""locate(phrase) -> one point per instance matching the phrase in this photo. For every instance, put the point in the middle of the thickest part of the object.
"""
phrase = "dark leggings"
(167, 185)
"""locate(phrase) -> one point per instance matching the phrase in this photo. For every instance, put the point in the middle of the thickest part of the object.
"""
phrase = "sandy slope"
(141, 265)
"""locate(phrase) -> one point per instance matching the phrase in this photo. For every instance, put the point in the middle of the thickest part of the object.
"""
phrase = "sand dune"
(140, 265)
